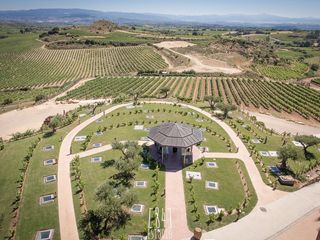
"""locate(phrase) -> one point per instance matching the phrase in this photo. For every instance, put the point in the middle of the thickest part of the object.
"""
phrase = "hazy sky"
(290, 8)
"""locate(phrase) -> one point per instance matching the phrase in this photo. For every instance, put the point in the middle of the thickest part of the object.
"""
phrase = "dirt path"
(33, 117)
(282, 125)
(195, 63)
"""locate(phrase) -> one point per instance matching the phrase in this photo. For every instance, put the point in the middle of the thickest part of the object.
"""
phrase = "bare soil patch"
(174, 44)
(197, 60)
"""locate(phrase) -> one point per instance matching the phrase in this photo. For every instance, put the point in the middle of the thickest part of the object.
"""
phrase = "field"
(242, 92)
(316, 81)
(295, 71)
(41, 67)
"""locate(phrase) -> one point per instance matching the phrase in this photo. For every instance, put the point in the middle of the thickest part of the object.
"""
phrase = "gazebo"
(176, 139)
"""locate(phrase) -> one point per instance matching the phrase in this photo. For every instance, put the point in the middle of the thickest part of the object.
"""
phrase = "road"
(21, 120)
(282, 125)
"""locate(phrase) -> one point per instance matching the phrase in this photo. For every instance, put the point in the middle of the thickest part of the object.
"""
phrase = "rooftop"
(175, 135)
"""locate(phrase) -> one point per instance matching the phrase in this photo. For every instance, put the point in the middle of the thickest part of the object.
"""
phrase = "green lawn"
(11, 161)
(34, 216)
(274, 142)
(166, 113)
(94, 174)
(229, 195)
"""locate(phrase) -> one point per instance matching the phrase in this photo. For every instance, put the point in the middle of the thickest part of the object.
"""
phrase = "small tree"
(130, 159)
(7, 101)
(54, 123)
(165, 91)
(226, 108)
(39, 97)
(285, 153)
(307, 141)
(135, 96)
(1, 144)
(213, 101)
(314, 67)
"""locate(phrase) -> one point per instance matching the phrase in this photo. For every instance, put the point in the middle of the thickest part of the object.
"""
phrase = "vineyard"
(42, 67)
(29, 95)
(278, 96)
(316, 81)
(295, 71)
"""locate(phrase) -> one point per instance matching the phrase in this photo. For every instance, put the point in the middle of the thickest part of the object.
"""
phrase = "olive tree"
(287, 152)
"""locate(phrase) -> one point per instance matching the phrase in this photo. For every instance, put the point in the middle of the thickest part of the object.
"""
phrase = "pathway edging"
(67, 220)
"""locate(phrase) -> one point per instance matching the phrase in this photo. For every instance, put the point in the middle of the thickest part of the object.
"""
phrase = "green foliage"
(295, 71)
(250, 92)
(40, 97)
(314, 67)
(226, 108)
(213, 101)
(19, 135)
(307, 141)
(287, 152)
(7, 101)
(1, 144)
(43, 67)
(55, 122)
(129, 161)
(165, 91)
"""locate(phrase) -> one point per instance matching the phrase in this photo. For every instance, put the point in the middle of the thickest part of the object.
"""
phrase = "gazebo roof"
(175, 135)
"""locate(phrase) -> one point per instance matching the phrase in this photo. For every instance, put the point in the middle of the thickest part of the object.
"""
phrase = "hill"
(73, 16)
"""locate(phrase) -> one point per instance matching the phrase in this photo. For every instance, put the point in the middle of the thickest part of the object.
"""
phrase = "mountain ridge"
(85, 16)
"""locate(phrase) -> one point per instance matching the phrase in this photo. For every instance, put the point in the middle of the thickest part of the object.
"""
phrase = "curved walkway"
(264, 193)
(67, 220)
(271, 221)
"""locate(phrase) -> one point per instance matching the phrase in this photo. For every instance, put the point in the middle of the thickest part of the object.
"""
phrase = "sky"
(286, 8)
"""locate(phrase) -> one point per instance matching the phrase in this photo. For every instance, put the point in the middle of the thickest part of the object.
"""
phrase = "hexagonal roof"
(175, 135)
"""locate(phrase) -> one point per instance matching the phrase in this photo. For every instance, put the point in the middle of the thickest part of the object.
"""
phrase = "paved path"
(176, 225)
(67, 219)
(306, 228)
(264, 193)
(274, 220)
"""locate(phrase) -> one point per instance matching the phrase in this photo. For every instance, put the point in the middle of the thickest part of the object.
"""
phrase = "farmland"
(42, 67)
(244, 92)
(296, 71)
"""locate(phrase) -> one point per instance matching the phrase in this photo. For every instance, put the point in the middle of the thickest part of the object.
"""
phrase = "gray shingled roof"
(175, 135)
